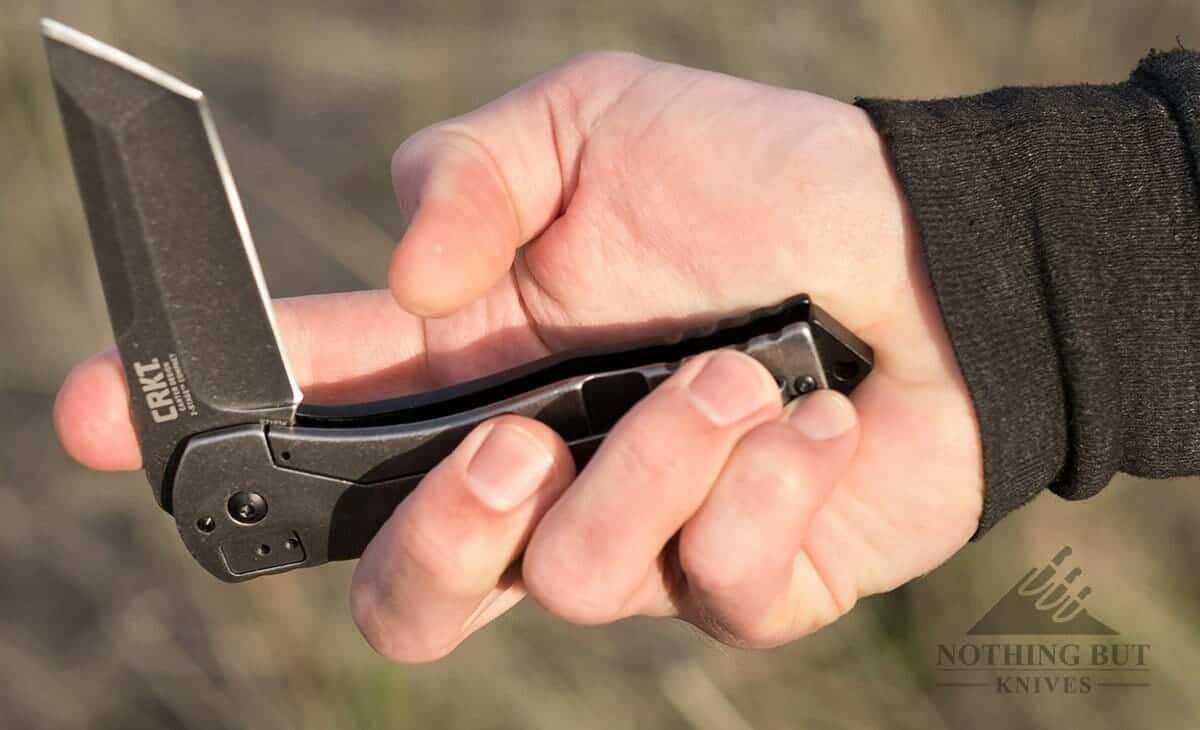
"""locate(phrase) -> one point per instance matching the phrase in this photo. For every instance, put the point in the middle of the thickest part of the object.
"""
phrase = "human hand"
(613, 199)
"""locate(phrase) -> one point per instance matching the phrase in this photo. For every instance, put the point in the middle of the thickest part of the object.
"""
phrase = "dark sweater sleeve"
(1061, 230)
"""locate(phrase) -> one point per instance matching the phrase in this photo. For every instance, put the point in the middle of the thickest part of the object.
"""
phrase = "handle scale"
(320, 489)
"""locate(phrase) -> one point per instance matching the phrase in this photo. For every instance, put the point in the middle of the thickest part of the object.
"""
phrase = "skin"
(611, 199)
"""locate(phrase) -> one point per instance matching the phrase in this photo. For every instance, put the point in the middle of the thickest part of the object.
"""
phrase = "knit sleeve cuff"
(1039, 211)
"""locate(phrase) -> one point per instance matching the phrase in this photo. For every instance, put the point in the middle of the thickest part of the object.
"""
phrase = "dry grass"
(104, 621)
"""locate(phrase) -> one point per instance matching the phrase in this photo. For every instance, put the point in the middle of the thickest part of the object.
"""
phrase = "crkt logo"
(155, 389)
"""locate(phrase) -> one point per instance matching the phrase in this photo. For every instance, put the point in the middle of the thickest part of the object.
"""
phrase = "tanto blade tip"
(52, 30)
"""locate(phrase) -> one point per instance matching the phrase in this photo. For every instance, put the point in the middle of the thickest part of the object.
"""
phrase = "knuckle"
(740, 632)
(372, 615)
(710, 570)
(769, 472)
(557, 584)
(603, 63)
(431, 143)
(443, 564)
(400, 154)
(405, 151)
(384, 631)
(596, 72)
(768, 464)
(755, 637)
(811, 621)
(645, 461)
(417, 149)
(777, 488)
(825, 602)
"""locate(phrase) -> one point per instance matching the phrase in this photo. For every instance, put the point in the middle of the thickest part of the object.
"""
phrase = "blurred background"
(105, 622)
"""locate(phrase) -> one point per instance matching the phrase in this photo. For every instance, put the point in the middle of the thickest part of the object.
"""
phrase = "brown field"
(106, 623)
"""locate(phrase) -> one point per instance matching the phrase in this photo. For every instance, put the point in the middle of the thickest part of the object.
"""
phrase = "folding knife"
(258, 481)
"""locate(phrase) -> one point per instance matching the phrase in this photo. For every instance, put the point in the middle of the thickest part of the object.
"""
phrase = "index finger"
(344, 347)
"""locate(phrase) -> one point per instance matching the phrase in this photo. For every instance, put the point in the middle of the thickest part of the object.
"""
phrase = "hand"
(613, 199)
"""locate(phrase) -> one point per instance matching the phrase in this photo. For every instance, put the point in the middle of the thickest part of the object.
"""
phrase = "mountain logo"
(1041, 639)
(1045, 601)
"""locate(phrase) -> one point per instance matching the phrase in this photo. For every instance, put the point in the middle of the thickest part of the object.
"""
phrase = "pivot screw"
(806, 384)
(247, 507)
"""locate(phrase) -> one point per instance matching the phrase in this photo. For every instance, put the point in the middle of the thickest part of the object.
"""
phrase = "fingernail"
(730, 387)
(822, 415)
(507, 468)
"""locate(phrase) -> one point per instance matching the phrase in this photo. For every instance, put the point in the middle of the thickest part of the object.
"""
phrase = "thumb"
(480, 186)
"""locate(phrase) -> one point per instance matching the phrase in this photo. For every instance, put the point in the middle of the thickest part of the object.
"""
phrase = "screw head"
(247, 507)
(806, 384)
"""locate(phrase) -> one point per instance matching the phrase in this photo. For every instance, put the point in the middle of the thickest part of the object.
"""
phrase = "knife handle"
(265, 498)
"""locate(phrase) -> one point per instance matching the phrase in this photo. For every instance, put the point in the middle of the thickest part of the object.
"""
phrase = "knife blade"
(186, 297)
